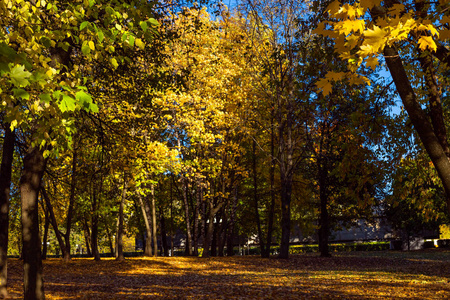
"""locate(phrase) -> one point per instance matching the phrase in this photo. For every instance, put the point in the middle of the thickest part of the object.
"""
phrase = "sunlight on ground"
(345, 276)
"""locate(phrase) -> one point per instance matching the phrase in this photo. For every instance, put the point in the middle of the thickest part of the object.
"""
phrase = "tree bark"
(419, 119)
(30, 183)
(230, 229)
(66, 252)
(5, 185)
(155, 237)
(165, 245)
(187, 218)
(87, 236)
(119, 239)
(148, 251)
(323, 220)
(266, 253)
(94, 226)
(255, 200)
(45, 238)
(58, 235)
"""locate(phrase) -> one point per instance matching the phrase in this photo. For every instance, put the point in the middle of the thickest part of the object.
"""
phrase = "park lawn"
(358, 275)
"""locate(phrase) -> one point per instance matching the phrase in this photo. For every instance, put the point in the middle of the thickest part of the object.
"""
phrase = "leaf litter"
(363, 275)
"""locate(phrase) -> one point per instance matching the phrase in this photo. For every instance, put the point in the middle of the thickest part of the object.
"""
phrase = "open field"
(353, 275)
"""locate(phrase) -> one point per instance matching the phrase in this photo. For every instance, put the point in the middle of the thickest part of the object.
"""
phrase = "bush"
(444, 243)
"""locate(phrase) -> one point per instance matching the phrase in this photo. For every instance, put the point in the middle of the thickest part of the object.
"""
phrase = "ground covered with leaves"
(354, 275)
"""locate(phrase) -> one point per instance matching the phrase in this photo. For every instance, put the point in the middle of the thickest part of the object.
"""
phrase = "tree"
(402, 33)
(5, 185)
(43, 86)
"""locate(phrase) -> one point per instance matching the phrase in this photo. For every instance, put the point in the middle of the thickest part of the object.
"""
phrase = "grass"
(347, 275)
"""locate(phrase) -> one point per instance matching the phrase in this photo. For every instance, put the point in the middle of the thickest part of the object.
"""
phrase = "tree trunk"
(187, 219)
(230, 229)
(5, 185)
(148, 251)
(119, 238)
(165, 245)
(272, 192)
(255, 200)
(58, 235)
(196, 214)
(419, 119)
(94, 226)
(87, 235)
(154, 235)
(210, 228)
(324, 230)
(66, 251)
(45, 238)
(286, 190)
(30, 183)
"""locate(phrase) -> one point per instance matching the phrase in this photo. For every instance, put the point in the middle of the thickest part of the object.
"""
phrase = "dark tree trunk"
(230, 229)
(154, 235)
(45, 238)
(222, 233)
(286, 191)
(109, 235)
(94, 227)
(66, 251)
(148, 251)
(323, 220)
(58, 235)
(187, 218)
(214, 241)
(210, 228)
(271, 215)
(255, 200)
(165, 245)
(5, 185)
(87, 236)
(196, 213)
(30, 183)
(209, 231)
(419, 119)
(119, 239)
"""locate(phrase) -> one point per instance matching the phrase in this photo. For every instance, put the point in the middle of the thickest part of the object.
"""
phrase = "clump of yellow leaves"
(360, 39)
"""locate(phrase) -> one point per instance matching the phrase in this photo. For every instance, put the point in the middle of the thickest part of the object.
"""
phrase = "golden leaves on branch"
(360, 40)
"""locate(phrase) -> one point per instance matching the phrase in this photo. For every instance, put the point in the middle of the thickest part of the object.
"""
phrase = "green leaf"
(67, 103)
(86, 50)
(131, 40)
(21, 93)
(153, 22)
(46, 42)
(45, 97)
(19, 76)
(143, 25)
(84, 99)
(101, 36)
(91, 3)
(93, 108)
(83, 25)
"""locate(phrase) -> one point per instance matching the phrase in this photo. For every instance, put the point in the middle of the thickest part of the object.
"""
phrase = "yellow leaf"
(427, 42)
(444, 34)
(334, 7)
(372, 62)
(324, 85)
(139, 43)
(91, 45)
(348, 26)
